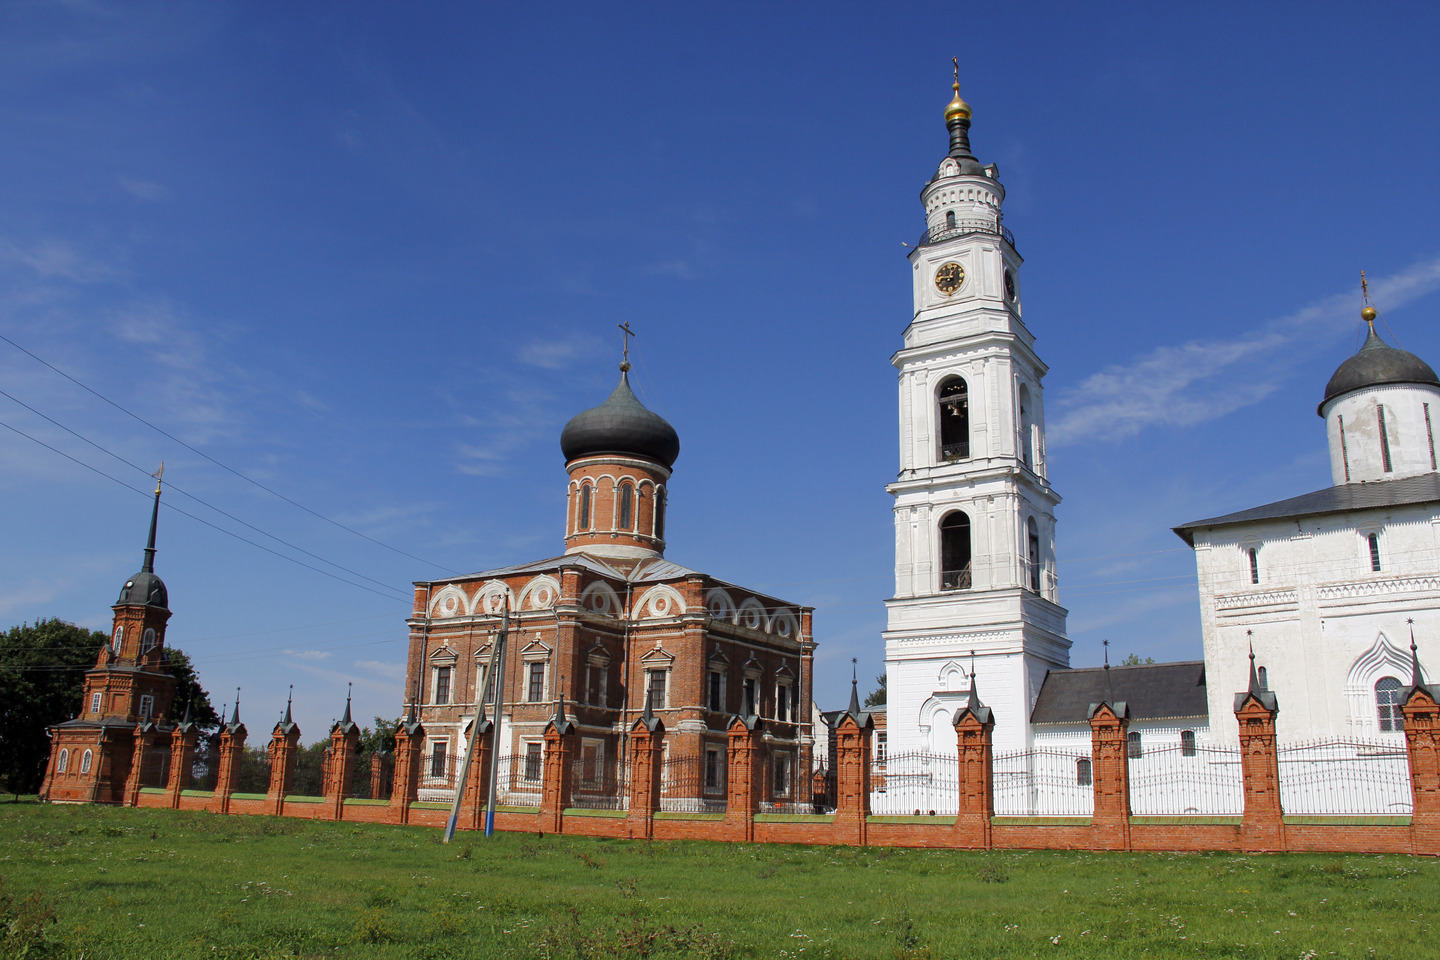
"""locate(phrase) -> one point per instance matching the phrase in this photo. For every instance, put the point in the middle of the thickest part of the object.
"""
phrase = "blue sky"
(372, 257)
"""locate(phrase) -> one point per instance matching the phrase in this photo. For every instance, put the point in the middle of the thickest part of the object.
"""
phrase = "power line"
(228, 533)
(178, 490)
(222, 466)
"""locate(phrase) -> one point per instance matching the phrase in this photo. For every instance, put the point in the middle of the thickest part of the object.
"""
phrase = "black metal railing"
(963, 227)
(955, 451)
(955, 579)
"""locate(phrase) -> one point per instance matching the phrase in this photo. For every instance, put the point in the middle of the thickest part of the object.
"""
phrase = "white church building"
(1324, 587)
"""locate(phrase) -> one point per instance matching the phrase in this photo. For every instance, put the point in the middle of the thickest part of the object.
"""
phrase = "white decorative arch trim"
(719, 604)
(540, 593)
(601, 598)
(950, 676)
(450, 601)
(751, 614)
(783, 623)
(1382, 659)
(492, 597)
(661, 600)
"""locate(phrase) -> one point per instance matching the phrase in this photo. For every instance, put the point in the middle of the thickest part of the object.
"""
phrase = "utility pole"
(497, 659)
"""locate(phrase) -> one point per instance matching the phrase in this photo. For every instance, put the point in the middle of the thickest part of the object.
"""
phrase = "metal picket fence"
(915, 784)
(1345, 777)
(1186, 779)
(155, 769)
(693, 783)
(598, 783)
(1045, 782)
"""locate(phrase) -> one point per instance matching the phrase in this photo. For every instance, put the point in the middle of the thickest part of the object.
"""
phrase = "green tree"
(381, 739)
(876, 697)
(188, 691)
(1133, 660)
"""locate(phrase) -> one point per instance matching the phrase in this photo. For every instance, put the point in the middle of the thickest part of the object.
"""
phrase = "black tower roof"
(144, 588)
(623, 425)
(1375, 364)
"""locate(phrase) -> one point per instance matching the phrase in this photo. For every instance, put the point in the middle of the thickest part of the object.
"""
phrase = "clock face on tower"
(949, 277)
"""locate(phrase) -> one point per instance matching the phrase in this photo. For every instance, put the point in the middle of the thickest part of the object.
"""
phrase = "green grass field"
(157, 884)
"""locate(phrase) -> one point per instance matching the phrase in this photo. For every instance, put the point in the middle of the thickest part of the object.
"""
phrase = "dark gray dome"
(622, 424)
(1375, 364)
(146, 589)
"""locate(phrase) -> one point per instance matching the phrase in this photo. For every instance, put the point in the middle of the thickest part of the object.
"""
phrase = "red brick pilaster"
(377, 774)
(477, 783)
(646, 739)
(283, 743)
(405, 788)
(973, 729)
(344, 739)
(232, 746)
(182, 757)
(555, 788)
(1263, 826)
(1422, 746)
(1110, 772)
(853, 736)
(745, 775)
(144, 743)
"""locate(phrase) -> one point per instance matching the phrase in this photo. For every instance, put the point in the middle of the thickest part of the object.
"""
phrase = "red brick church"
(596, 630)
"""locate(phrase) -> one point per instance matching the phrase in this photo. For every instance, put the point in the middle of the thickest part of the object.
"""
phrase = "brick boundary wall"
(1261, 828)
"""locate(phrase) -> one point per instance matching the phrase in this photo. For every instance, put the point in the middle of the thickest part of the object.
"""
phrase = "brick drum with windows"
(594, 631)
(127, 695)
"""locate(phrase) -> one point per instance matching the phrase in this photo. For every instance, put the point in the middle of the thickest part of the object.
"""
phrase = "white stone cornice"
(1258, 599)
(1360, 589)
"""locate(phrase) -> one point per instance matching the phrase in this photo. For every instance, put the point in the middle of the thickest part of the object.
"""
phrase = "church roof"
(1337, 499)
(649, 570)
(1154, 691)
(621, 425)
(1375, 364)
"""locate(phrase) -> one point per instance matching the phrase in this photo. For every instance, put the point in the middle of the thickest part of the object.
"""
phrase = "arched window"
(660, 514)
(1384, 442)
(1264, 678)
(85, 760)
(1387, 702)
(63, 762)
(1374, 539)
(949, 219)
(1254, 565)
(147, 642)
(584, 523)
(954, 414)
(1134, 748)
(1084, 777)
(1026, 440)
(1032, 553)
(1187, 743)
(955, 552)
(627, 505)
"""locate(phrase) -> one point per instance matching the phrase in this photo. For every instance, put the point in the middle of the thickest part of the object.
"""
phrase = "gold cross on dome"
(628, 333)
(956, 61)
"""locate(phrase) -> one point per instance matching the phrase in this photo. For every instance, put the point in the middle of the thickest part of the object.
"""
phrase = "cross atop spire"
(628, 333)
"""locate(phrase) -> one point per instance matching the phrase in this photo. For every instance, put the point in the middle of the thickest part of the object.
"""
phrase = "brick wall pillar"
(973, 729)
(182, 757)
(555, 786)
(405, 787)
(232, 746)
(283, 743)
(646, 738)
(1422, 746)
(144, 743)
(744, 777)
(1263, 826)
(377, 774)
(344, 739)
(477, 783)
(1110, 773)
(853, 735)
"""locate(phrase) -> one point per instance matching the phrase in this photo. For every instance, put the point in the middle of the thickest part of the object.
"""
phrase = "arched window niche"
(954, 416)
(1026, 439)
(583, 523)
(660, 513)
(1032, 554)
(955, 551)
(627, 505)
(949, 219)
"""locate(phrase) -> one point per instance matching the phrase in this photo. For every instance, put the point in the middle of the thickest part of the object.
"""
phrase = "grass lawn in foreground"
(153, 884)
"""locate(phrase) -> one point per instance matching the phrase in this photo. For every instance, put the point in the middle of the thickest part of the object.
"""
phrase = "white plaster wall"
(1412, 415)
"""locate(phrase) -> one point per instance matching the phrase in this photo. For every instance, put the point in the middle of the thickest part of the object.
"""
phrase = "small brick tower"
(128, 688)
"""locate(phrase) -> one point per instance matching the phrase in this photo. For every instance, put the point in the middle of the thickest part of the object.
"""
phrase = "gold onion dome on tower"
(957, 109)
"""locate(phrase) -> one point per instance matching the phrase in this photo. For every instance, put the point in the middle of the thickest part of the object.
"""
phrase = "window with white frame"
(484, 680)
(597, 681)
(442, 685)
(781, 774)
(1187, 743)
(1084, 776)
(592, 761)
(1254, 556)
(714, 769)
(715, 693)
(655, 683)
(535, 682)
(881, 746)
(63, 761)
(95, 702)
(86, 759)
(147, 640)
(1135, 749)
(1387, 704)
(783, 701)
(534, 759)
(439, 754)
(147, 706)
(1373, 542)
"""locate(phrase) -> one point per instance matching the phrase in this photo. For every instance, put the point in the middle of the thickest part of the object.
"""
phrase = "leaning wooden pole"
(497, 676)
(463, 775)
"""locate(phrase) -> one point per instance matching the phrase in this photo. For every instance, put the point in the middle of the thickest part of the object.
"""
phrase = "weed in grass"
(381, 897)
(591, 862)
(374, 926)
(626, 886)
(25, 926)
(991, 872)
(466, 852)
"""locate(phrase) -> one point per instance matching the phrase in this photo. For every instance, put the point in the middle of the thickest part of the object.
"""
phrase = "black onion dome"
(145, 589)
(622, 424)
(1375, 364)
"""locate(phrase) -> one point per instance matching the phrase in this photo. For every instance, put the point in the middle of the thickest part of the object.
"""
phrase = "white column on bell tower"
(974, 510)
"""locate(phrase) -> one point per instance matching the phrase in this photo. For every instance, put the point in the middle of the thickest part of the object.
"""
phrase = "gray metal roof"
(1154, 691)
(623, 425)
(646, 571)
(1337, 499)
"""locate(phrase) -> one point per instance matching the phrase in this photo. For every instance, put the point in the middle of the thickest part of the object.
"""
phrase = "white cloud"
(557, 354)
(143, 189)
(309, 654)
(1203, 380)
(679, 269)
(57, 260)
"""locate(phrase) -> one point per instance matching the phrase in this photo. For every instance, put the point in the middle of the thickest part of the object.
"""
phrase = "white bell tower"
(974, 511)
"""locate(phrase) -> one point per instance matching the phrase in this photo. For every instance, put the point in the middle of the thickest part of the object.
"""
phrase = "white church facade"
(1325, 588)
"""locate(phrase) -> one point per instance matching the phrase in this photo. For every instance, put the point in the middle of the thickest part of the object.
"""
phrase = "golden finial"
(1369, 313)
(159, 475)
(957, 108)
